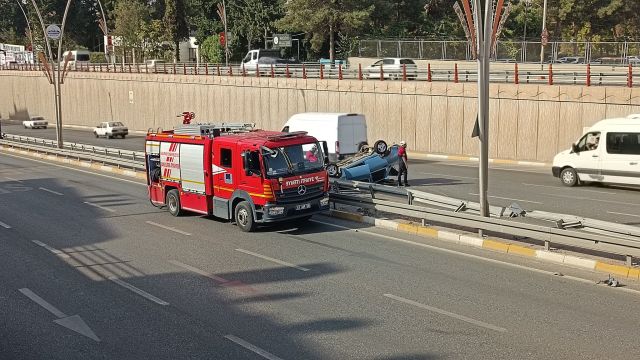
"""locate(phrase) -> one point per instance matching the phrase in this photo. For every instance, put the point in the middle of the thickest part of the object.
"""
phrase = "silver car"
(392, 68)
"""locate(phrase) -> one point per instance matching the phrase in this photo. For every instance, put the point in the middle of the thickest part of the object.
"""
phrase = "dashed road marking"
(51, 191)
(265, 354)
(168, 228)
(99, 207)
(140, 292)
(59, 253)
(273, 260)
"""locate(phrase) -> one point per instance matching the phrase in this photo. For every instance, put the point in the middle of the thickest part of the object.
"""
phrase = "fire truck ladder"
(213, 130)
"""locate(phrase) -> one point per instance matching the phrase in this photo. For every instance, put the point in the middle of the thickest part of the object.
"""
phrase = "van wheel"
(380, 147)
(569, 177)
(173, 202)
(333, 170)
(244, 217)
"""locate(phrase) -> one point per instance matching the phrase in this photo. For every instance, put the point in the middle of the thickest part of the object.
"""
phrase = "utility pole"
(105, 28)
(222, 12)
(484, 31)
(56, 79)
(544, 30)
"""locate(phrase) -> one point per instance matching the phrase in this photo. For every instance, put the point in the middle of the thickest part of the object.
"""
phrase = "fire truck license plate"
(303, 206)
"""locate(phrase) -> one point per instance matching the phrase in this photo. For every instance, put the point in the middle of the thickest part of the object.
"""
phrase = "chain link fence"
(505, 51)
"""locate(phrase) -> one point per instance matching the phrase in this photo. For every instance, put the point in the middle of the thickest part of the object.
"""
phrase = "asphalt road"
(531, 187)
(91, 270)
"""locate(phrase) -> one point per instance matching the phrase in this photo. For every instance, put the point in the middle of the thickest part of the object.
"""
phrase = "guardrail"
(109, 157)
(622, 76)
(566, 230)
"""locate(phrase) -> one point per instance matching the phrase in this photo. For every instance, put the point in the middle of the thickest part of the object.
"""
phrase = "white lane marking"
(12, 179)
(506, 198)
(6, 226)
(273, 260)
(591, 199)
(75, 169)
(168, 228)
(42, 302)
(564, 189)
(475, 257)
(59, 253)
(265, 354)
(140, 292)
(99, 207)
(447, 313)
(51, 191)
(625, 214)
(199, 272)
(447, 175)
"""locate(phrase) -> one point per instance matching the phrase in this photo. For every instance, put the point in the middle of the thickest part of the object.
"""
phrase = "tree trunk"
(176, 56)
(331, 43)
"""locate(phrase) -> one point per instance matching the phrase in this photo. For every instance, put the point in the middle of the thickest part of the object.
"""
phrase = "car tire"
(569, 177)
(243, 216)
(362, 146)
(25, 126)
(380, 147)
(96, 134)
(333, 170)
(173, 202)
(123, 136)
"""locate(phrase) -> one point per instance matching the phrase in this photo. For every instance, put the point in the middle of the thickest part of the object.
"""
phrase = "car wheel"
(362, 146)
(25, 126)
(380, 147)
(96, 134)
(123, 136)
(244, 217)
(569, 177)
(333, 170)
(173, 202)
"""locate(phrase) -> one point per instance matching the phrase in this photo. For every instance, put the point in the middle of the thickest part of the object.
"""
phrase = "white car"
(111, 129)
(391, 69)
(35, 122)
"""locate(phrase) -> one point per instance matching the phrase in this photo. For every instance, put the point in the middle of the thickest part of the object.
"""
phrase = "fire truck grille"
(292, 195)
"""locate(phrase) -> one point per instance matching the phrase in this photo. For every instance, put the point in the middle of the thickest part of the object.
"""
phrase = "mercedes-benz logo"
(302, 190)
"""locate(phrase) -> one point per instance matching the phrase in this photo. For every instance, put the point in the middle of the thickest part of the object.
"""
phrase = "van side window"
(225, 158)
(623, 143)
(589, 141)
(285, 129)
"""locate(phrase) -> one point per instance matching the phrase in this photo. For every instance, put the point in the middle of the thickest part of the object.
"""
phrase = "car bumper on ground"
(274, 212)
(556, 171)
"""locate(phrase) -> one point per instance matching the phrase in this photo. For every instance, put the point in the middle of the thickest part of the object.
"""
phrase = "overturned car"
(371, 164)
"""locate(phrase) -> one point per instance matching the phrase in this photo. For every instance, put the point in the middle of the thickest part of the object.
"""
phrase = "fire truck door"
(193, 196)
(224, 182)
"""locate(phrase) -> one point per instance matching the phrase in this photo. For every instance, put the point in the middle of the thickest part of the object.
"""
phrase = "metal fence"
(516, 51)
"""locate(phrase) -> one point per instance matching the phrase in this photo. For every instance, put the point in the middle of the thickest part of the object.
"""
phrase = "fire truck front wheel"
(244, 217)
(173, 202)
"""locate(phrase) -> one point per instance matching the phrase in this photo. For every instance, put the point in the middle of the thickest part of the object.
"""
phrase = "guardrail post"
(218, 67)
(244, 71)
(230, 70)
(174, 68)
(129, 68)
(340, 72)
(516, 76)
(547, 245)
(455, 73)
(304, 72)
(550, 74)
(321, 72)
(629, 260)
(184, 69)
(195, 72)
(273, 72)
(588, 74)
(429, 79)
(206, 69)
(404, 72)
(381, 72)
(630, 76)
(409, 198)
(360, 72)
(288, 74)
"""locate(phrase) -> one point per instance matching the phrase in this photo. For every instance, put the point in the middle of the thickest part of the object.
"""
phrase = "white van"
(608, 153)
(344, 133)
(77, 58)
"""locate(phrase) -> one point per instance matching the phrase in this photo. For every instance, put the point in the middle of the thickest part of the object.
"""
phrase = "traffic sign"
(282, 40)
(53, 32)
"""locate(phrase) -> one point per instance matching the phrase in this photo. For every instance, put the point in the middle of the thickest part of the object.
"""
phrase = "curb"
(84, 164)
(427, 156)
(492, 244)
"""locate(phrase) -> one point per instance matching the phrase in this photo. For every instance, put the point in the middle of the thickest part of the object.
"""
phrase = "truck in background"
(237, 173)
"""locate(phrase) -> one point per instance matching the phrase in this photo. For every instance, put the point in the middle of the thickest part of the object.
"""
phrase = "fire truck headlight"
(324, 202)
(276, 210)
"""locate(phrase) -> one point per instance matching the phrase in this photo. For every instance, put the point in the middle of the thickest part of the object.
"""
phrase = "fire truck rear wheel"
(173, 202)
(244, 217)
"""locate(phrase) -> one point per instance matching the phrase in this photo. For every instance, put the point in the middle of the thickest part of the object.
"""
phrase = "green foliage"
(97, 57)
(211, 50)
(252, 19)
(175, 23)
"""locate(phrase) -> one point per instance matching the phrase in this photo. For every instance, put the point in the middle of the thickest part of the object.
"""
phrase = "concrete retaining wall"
(528, 122)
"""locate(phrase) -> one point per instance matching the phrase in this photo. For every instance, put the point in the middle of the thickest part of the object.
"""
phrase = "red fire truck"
(235, 172)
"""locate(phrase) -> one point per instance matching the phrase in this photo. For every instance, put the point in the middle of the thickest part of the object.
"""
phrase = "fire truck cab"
(237, 173)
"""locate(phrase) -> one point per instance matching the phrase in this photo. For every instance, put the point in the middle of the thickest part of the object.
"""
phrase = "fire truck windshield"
(293, 159)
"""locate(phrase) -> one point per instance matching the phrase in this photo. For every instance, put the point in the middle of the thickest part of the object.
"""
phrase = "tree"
(252, 19)
(175, 22)
(131, 17)
(203, 18)
(324, 18)
(211, 50)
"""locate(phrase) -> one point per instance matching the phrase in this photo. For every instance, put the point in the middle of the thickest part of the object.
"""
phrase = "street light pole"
(28, 24)
(544, 28)
(106, 32)
(226, 40)
(484, 31)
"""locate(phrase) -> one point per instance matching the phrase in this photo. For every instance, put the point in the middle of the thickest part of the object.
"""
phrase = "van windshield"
(82, 57)
(293, 159)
